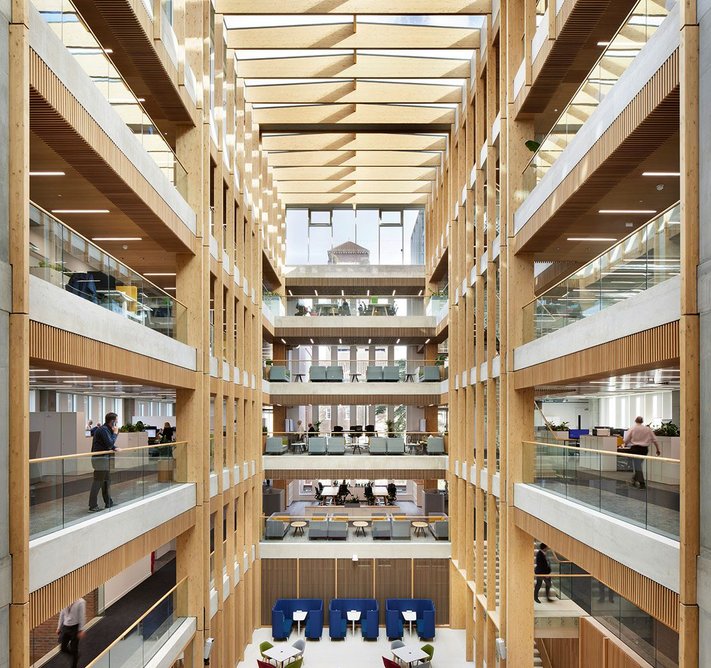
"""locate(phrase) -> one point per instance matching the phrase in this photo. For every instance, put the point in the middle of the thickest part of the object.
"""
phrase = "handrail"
(136, 622)
(105, 252)
(621, 242)
(105, 452)
(330, 362)
(611, 453)
(87, 27)
(610, 47)
(330, 511)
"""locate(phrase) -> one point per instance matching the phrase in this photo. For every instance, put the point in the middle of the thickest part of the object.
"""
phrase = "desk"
(327, 309)
(299, 615)
(281, 653)
(298, 528)
(380, 491)
(330, 491)
(380, 309)
(409, 616)
(409, 654)
(419, 529)
(360, 527)
(353, 617)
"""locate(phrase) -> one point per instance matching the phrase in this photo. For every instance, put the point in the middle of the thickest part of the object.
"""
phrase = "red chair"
(264, 664)
(389, 664)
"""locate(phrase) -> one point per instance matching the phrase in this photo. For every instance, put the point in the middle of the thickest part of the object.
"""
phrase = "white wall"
(126, 580)
(568, 411)
(620, 411)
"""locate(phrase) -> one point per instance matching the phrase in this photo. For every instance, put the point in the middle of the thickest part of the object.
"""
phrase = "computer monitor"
(151, 432)
(87, 432)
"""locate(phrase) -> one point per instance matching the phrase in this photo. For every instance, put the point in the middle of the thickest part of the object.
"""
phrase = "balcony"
(601, 480)
(378, 372)
(646, 258)
(64, 258)
(355, 442)
(60, 486)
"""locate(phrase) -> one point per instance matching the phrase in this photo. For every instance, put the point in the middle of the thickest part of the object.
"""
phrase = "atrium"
(354, 333)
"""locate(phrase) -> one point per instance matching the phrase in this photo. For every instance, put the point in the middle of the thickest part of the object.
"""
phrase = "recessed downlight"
(47, 174)
(661, 173)
(627, 211)
(80, 211)
(117, 238)
(592, 238)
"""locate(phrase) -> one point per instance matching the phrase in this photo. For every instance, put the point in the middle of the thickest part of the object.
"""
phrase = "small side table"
(353, 616)
(299, 377)
(298, 528)
(299, 616)
(360, 527)
(355, 377)
(419, 528)
(409, 616)
(409, 377)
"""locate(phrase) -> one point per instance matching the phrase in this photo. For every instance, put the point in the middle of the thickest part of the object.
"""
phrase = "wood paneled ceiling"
(354, 99)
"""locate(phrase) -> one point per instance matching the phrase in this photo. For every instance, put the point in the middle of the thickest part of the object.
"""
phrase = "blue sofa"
(282, 617)
(338, 620)
(394, 621)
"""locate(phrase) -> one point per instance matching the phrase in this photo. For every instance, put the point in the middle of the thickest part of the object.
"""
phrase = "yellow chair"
(131, 291)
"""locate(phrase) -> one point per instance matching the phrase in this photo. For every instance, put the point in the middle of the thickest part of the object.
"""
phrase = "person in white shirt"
(640, 436)
(70, 628)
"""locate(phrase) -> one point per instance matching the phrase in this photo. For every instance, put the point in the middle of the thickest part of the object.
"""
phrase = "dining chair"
(429, 650)
(389, 663)
(264, 664)
(297, 663)
(395, 644)
(263, 647)
(300, 644)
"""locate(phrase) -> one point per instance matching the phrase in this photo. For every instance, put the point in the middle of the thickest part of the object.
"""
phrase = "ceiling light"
(47, 174)
(427, 341)
(80, 211)
(661, 173)
(343, 293)
(592, 239)
(108, 50)
(291, 294)
(283, 341)
(370, 341)
(603, 43)
(340, 341)
(116, 239)
(169, 288)
(393, 293)
(316, 292)
(160, 273)
(367, 292)
(312, 341)
(419, 294)
(398, 341)
(627, 211)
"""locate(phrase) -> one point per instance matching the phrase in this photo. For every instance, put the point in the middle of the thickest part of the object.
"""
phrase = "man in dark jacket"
(104, 441)
(542, 569)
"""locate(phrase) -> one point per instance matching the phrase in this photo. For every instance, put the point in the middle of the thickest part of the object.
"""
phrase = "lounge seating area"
(395, 619)
(355, 442)
(346, 372)
(367, 617)
(283, 619)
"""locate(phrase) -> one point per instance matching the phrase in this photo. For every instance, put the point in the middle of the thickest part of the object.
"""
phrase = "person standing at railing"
(104, 441)
(70, 629)
(542, 571)
(641, 437)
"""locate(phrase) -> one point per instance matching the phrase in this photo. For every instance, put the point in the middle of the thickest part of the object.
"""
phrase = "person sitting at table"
(344, 309)
(343, 492)
(301, 309)
(392, 493)
(312, 429)
(319, 491)
(368, 491)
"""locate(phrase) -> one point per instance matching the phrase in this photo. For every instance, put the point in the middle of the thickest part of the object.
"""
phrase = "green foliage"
(563, 426)
(668, 429)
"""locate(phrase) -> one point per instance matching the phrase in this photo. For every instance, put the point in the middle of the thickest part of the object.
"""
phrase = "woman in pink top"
(641, 437)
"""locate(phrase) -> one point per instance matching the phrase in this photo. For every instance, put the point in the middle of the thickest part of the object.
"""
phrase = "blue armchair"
(424, 608)
(283, 612)
(338, 620)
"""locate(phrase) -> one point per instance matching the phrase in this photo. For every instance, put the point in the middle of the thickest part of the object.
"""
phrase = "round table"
(360, 527)
(419, 528)
(298, 528)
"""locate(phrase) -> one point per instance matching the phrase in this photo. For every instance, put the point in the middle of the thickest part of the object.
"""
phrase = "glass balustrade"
(141, 641)
(60, 486)
(356, 523)
(383, 371)
(355, 440)
(602, 480)
(65, 258)
(68, 24)
(353, 305)
(647, 257)
(618, 54)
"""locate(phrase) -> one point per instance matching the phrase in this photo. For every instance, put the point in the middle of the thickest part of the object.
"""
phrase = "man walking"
(104, 441)
(542, 569)
(70, 629)
(641, 437)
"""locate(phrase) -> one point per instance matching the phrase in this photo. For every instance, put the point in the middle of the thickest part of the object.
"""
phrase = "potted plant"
(669, 438)
(267, 368)
(317, 426)
(390, 424)
(561, 430)
(132, 435)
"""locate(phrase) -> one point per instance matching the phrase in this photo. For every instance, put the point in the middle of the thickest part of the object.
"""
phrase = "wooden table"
(419, 528)
(380, 309)
(298, 530)
(299, 615)
(327, 309)
(281, 653)
(409, 616)
(353, 616)
(380, 491)
(409, 654)
(360, 526)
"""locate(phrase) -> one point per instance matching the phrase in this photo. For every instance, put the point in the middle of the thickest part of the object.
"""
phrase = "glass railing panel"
(347, 305)
(141, 641)
(638, 28)
(62, 489)
(68, 24)
(603, 480)
(357, 371)
(647, 257)
(66, 259)
(356, 442)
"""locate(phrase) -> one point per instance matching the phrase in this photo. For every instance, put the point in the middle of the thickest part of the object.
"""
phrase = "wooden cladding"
(600, 649)
(58, 119)
(66, 350)
(650, 118)
(51, 598)
(366, 578)
(650, 349)
(655, 599)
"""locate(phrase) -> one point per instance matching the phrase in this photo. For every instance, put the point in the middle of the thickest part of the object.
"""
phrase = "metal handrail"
(575, 448)
(622, 241)
(105, 452)
(120, 638)
(105, 252)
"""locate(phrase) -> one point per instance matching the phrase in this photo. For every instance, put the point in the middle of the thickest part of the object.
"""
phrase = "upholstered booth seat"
(423, 607)
(283, 617)
(338, 620)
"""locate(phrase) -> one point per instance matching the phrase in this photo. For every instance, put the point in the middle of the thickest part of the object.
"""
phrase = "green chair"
(263, 647)
(429, 650)
(296, 664)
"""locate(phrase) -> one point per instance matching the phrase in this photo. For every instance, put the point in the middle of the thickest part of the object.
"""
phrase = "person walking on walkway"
(70, 629)
(542, 569)
(641, 437)
(105, 442)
